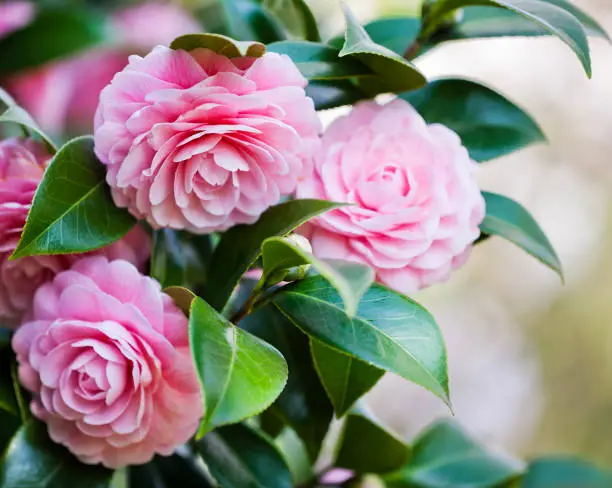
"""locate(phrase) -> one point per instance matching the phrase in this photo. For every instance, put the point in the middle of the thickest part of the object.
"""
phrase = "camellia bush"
(195, 293)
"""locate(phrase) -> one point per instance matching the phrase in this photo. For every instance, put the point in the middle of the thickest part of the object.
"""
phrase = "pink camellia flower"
(198, 141)
(14, 15)
(106, 356)
(22, 164)
(416, 206)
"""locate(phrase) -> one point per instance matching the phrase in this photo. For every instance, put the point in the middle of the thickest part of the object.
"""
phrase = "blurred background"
(530, 359)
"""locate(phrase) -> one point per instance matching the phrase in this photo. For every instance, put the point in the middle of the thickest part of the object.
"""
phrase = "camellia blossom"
(22, 165)
(106, 356)
(415, 204)
(198, 141)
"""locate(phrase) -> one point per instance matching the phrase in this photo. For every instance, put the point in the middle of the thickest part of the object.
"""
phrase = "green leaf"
(32, 460)
(239, 457)
(351, 280)
(345, 378)
(73, 210)
(183, 298)
(180, 258)
(296, 17)
(389, 331)
(249, 20)
(54, 33)
(318, 61)
(510, 220)
(332, 94)
(241, 246)
(368, 447)
(489, 125)
(11, 113)
(5, 337)
(303, 404)
(9, 425)
(168, 472)
(8, 400)
(394, 73)
(220, 44)
(240, 374)
(552, 18)
(565, 472)
(444, 455)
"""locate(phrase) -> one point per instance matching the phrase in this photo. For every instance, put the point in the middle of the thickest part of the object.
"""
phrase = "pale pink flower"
(14, 15)
(415, 204)
(106, 356)
(197, 141)
(67, 92)
(22, 165)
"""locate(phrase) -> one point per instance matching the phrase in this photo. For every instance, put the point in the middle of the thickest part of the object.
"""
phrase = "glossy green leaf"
(351, 280)
(510, 220)
(389, 331)
(394, 33)
(297, 18)
(179, 258)
(318, 61)
(345, 378)
(394, 73)
(241, 375)
(366, 446)
(32, 460)
(220, 44)
(73, 210)
(489, 125)
(565, 472)
(552, 18)
(239, 456)
(241, 246)
(332, 94)
(303, 404)
(54, 33)
(249, 20)
(444, 455)
(168, 472)
(11, 113)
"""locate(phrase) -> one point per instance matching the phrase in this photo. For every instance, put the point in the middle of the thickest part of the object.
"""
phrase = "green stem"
(247, 308)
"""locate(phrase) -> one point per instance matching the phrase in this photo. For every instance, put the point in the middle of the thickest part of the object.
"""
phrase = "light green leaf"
(220, 44)
(297, 18)
(389, 331)
(552, 18)
(394, 73)
(510, 220)
(345, 378)
(241, 246)
(365, 446)
(239, 456)
(240, 374)
(73, 210)
(350, 279)
(444, 456)
(32, 460)
(489, 125)
(565, 472)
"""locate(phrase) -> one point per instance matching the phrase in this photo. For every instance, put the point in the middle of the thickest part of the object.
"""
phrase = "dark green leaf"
(241, 246)
(179, 258)
(350, 279)
(243, 457)
(319, 61)
(5, 337)
(303, 404)
(9, 425)
(368, 447)
(510, 220)
(168, 472)
(565, 472)
(241, 375)
(8, 400)
(552, 18)
(395, 74)
(54, 33)
(249, 20)
(73, 210)
(296, 17)
(489, 125)
(32, 460)
(445, 456)
(389, 331)
(345, 378)
(332, 94)
(220, 44)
